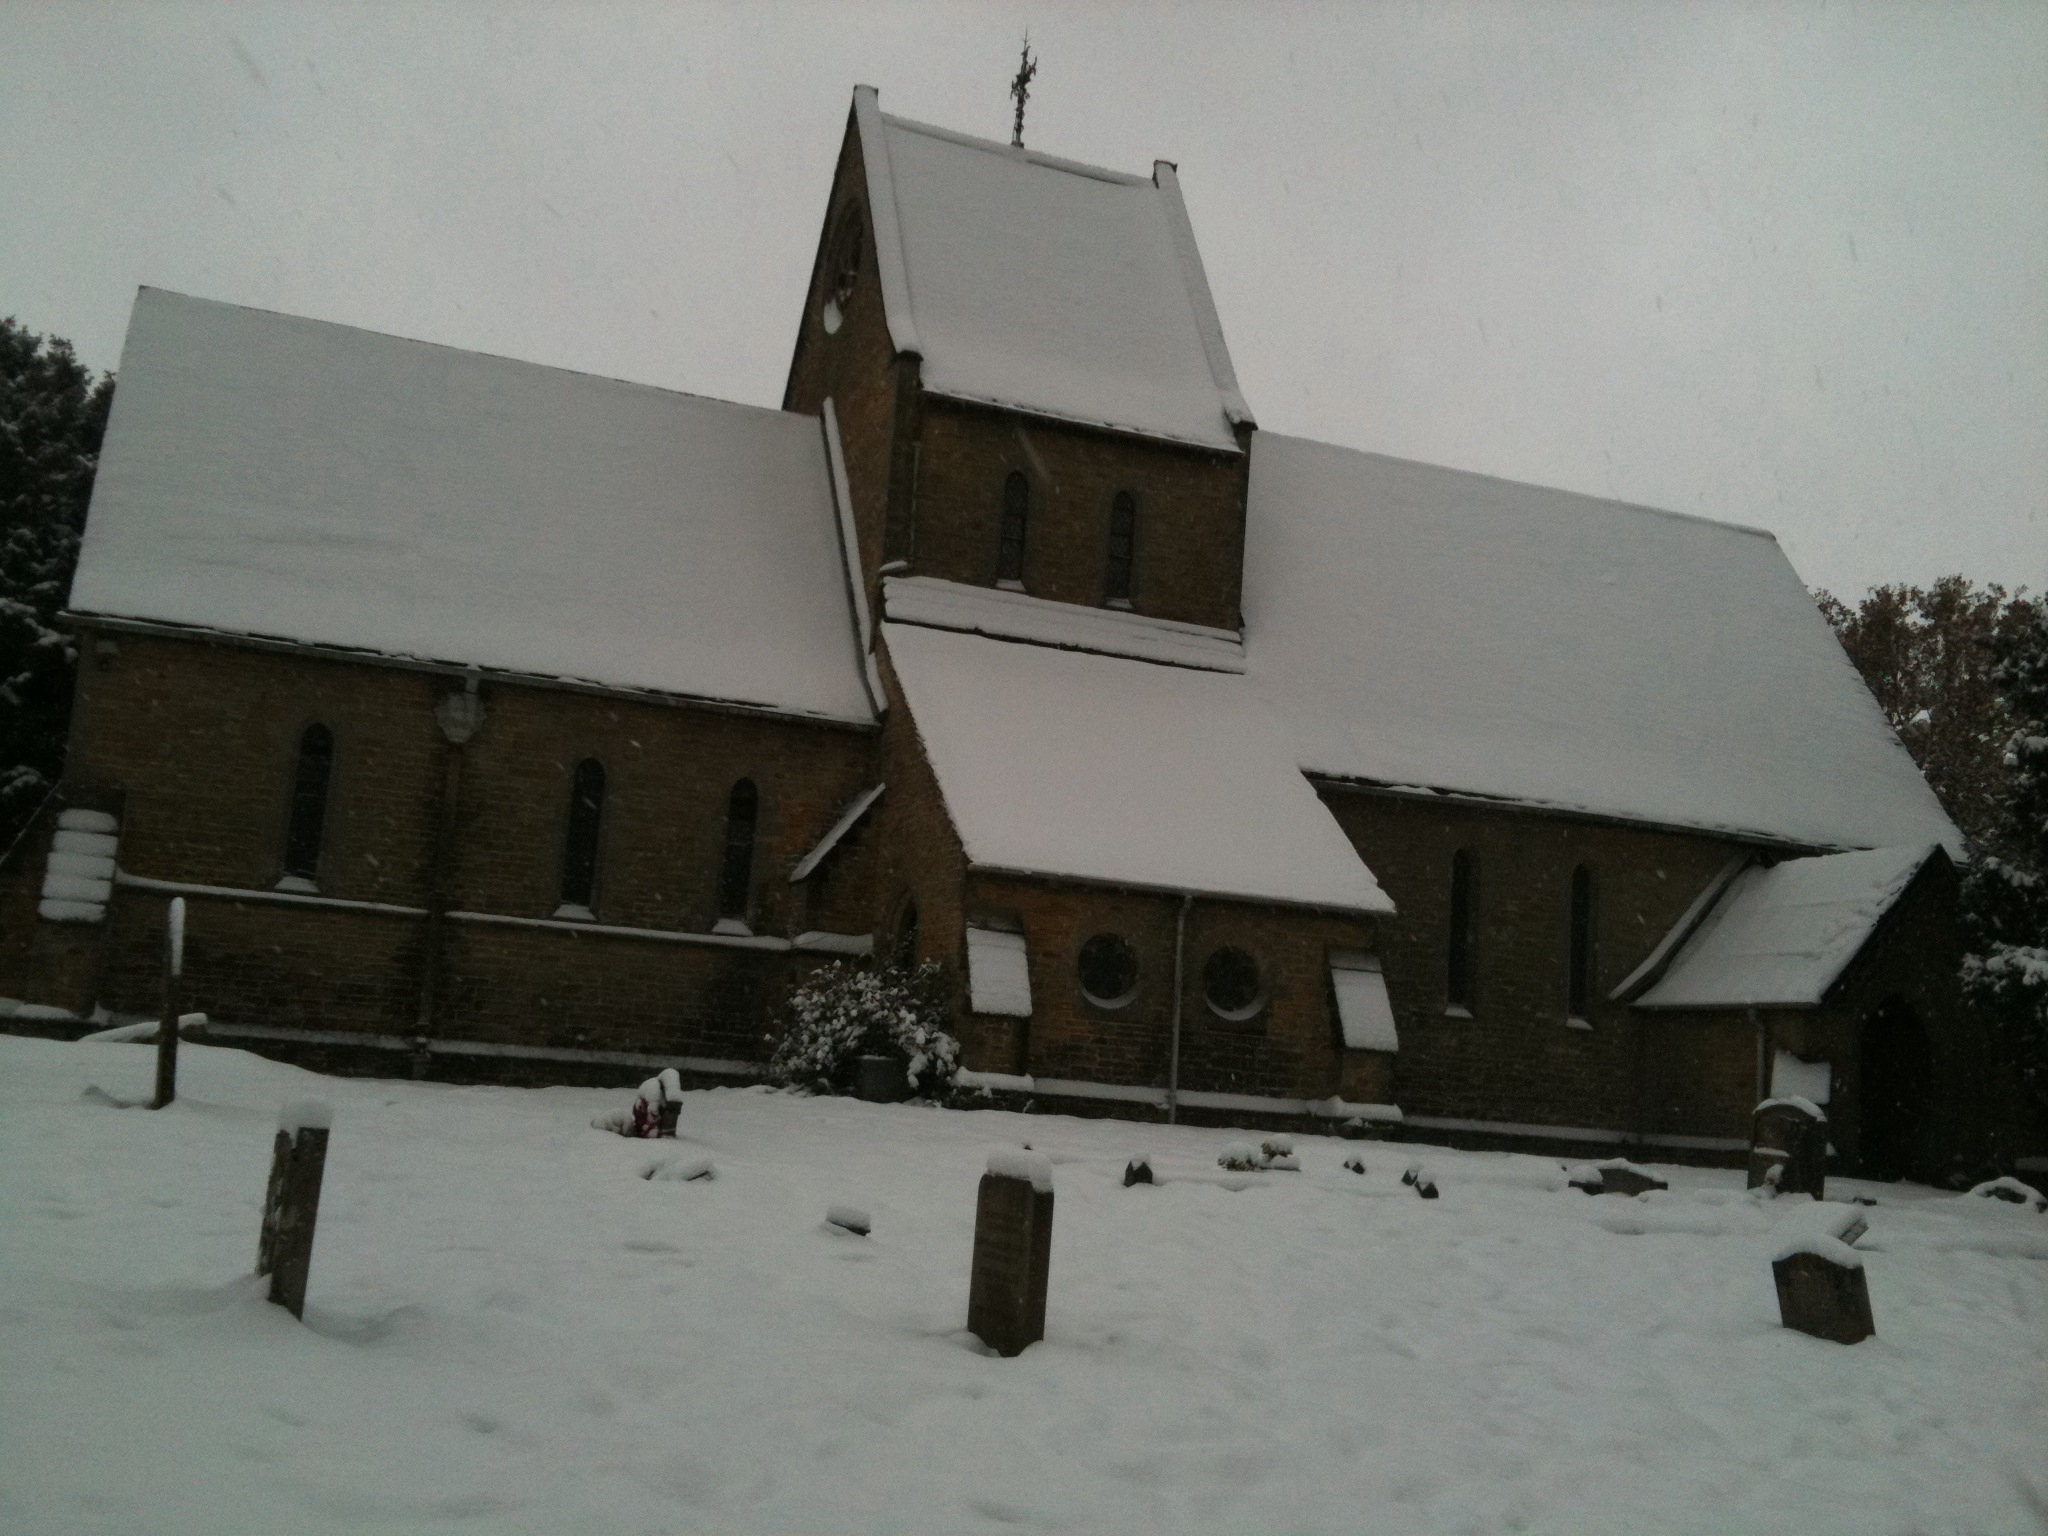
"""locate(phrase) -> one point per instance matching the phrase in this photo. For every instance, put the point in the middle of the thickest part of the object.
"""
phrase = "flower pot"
(882, 1079)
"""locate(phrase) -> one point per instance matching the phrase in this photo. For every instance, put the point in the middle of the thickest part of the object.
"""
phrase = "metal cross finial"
(1020, 88)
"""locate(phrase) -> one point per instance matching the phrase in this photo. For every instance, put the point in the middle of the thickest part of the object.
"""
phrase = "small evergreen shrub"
(844, 1012)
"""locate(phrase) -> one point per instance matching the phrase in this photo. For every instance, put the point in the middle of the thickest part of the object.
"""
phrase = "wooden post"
(292, 1205)
(1012, 1252)
(167, 1032)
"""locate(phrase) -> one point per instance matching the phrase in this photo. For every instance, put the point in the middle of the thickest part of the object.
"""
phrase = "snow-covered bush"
(843, 1012)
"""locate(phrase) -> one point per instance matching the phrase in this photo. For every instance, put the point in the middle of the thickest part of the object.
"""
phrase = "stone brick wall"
(1516, 1059)
(918, 857)
(1190, 538)
(202, 740)
(1290, 1049)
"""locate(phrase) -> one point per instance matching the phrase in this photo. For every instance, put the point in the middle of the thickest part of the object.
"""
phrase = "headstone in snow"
(2012, 1192)
(1788, 1147)
(1822, 1290)
(292, 1204)
(1354, 1163)
(1138, 1171)
(1012, 1252)
(1617, 1176)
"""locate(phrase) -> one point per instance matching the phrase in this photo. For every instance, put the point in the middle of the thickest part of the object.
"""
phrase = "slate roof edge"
(887, 219)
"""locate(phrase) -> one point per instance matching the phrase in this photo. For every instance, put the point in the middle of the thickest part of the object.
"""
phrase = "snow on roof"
(1028, 281)
(941, 604)
(1781, 936)
(1416, 625)
(270, 475)
(1098, 768)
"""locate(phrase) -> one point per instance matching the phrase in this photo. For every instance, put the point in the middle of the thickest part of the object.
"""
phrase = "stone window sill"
(1457, 1011)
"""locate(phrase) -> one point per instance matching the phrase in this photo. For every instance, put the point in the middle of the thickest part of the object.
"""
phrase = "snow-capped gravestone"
(1012, 1251)
(1788, 1147)
(290, 1208)
(1616, 1176)
(1822, 1289)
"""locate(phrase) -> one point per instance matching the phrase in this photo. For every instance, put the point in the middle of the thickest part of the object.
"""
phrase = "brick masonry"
(194, 744)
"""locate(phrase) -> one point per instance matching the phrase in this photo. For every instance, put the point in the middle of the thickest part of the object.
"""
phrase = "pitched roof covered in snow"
(1027, 281)
(940, 604)
(1781, 937)
(1122, 772)
(275, 476)
(1423, 626)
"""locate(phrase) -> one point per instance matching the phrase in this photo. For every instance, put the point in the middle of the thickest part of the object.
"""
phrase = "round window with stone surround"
(1109, 971)
(1231, 985)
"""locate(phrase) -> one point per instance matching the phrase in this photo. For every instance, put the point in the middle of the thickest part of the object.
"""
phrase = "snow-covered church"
(500, 721)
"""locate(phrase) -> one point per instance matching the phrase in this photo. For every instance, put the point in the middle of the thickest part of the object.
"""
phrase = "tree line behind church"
(1961, 672)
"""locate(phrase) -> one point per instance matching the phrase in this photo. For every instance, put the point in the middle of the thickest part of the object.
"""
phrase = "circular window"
(1109, 971)
(1230, 983)
(842, 267)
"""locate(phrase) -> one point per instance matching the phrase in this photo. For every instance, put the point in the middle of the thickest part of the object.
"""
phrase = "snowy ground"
(508, 1329)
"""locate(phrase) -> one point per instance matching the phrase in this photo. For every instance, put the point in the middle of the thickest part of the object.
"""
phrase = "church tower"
(1028, 375)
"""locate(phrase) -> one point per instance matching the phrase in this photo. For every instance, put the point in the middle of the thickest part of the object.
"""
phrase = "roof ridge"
(1017, 152)
(1529, 485)
(446, 346)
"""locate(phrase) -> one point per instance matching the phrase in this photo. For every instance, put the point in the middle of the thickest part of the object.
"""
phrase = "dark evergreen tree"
(2005, 895)
(1927, 654)
(53, 413)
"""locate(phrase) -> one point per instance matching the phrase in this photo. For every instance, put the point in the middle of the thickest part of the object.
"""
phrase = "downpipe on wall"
(1180, 944)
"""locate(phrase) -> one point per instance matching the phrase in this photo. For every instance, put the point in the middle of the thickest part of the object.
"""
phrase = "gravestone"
(1137, 1171)
(1788, 1147)
(1822, 1290)
(292, 1204)
(1618, 1176)
(1012, 1252)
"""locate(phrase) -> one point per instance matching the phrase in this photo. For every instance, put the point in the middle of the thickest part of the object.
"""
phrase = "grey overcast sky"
(1782, 264)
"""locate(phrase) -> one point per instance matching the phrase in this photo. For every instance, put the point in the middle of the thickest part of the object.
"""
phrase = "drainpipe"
(458, 715)
(1180, 944)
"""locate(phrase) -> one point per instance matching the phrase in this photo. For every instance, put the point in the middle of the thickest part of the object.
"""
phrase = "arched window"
(309, 803)
(1461, 987)
(842, 265)
(1578, 991)
(1123, 544)
(736, 873)
(1016, 513)
(904, 952)
(579, 848)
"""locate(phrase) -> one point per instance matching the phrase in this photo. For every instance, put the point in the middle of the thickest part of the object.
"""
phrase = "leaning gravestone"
(1616, 1176)
(1012, 1252)
(1788, 1147)
(292, 1204)
(1822, 1289)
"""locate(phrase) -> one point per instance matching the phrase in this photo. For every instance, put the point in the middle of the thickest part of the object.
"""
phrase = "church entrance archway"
(1893, 1100)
